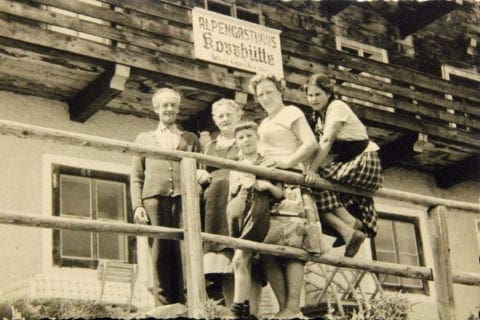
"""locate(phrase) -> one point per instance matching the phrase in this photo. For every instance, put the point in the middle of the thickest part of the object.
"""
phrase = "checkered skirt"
(365, 173)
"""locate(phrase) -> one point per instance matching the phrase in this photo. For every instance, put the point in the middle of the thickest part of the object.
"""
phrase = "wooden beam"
(442, 270)
(200, 74)
(410, 18)
(413, 77)
(193, 252)
(398, 150)
(166, 35)
(62, 223)
(98, 93)
(465, 170)
(288, 44)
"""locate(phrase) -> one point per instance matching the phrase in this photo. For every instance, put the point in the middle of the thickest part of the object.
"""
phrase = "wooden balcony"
(117, 60)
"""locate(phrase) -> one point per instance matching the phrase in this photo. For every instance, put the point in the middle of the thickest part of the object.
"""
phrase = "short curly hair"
(161, 91)
(260, 77)
(228, 102)
(322, 81)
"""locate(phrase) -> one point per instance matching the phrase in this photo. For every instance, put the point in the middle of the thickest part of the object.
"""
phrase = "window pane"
(112, 246)
(406, 235)
(389, 280)
(386, 256)
(413, 261)
(75, 196)
(409, 282)
(409, 259)
(110, 200)
(76, 244)
(219, 8)
(384, 240)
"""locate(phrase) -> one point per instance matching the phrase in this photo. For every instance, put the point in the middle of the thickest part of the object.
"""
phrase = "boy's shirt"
(240, 179)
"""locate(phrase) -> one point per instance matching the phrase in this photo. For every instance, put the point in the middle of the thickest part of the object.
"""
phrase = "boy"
(248, 213)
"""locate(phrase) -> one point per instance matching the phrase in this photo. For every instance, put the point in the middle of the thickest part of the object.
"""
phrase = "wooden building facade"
(410, 70)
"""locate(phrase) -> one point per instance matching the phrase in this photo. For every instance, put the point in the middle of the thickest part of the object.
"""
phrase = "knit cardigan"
(155, 177)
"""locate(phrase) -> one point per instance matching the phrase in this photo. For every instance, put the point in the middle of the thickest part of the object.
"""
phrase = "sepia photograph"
(240, 159)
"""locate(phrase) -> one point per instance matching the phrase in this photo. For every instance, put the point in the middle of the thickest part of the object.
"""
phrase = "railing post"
(442, 269)
(193, 253)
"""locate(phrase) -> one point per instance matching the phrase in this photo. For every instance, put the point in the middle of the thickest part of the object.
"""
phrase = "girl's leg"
(353, 238)
(338, 224)
(348, 218)
(276, 278)
(242, 265)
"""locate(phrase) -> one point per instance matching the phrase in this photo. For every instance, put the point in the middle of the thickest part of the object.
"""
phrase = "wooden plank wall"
(155, 37)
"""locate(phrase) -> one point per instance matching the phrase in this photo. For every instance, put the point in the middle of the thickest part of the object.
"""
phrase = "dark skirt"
(364, 173)
(216, 199)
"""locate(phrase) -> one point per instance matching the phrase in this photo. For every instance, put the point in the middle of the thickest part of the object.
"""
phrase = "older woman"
(217, 259)
(345, 155)
(286, 141)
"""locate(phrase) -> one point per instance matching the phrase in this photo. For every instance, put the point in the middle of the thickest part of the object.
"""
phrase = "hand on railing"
(310, 175)
(203, 177)
(140, 216)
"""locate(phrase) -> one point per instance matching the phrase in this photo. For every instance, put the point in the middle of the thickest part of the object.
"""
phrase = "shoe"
(338, 242)
(354, 244)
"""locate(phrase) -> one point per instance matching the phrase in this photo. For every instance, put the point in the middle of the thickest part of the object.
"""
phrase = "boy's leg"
(242, 263)
(228, 288)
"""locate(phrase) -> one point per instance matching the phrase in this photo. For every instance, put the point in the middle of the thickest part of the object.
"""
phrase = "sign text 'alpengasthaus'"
(229, 41)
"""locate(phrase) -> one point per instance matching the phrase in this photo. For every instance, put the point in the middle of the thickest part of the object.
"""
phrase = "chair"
(117, 271)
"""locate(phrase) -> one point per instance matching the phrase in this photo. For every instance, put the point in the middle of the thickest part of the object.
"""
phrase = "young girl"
(345, 155)
(248, 213)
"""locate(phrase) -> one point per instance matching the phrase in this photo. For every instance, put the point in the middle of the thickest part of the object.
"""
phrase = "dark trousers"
(166, 255)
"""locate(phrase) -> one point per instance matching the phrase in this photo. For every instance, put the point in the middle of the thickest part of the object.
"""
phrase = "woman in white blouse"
(287, 142)
(345, 155)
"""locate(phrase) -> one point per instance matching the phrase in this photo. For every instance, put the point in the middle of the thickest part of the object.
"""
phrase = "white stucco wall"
(22, 248)
(464, 245)
(21, 181)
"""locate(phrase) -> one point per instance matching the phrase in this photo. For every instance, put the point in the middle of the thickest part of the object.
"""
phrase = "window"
(398, 241)
(369, 52)
(231, 9)
(463, 76)
(93, 195)
(72, 32)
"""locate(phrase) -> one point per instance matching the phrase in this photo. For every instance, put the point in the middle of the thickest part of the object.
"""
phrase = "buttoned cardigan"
(154, 177)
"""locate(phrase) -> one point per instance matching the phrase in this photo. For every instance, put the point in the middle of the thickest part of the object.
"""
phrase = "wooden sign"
(236, 43)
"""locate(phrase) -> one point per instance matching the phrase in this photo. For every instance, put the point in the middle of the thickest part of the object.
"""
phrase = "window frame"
(362, 48)
(105, 171)
(420, 250)
(234, 11)
(448, 71)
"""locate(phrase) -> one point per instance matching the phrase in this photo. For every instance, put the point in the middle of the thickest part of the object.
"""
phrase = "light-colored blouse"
(277, 138)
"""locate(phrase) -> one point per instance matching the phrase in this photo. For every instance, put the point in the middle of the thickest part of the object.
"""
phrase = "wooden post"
(193, 253)
(442, 269)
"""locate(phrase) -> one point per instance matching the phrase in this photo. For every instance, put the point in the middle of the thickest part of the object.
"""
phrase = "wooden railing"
(191, 235)
(157, 36)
